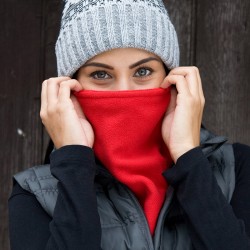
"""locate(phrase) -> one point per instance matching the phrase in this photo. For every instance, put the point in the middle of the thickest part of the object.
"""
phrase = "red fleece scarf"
(128, 141)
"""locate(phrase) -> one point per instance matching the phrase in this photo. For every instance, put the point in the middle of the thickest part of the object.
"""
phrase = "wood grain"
(223, 56)
(182, 15)
(214, 35)
(52, 15)
(20, 95)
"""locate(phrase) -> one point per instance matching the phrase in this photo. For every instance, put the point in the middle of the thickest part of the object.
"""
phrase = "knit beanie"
(90, 27)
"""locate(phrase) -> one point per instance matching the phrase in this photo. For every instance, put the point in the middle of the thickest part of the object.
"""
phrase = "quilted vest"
(123, 223)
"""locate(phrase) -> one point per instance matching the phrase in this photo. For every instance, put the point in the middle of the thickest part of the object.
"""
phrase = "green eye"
(142, 72)
(100, 75)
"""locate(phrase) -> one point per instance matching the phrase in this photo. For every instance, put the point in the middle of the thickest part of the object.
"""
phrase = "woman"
(158, 181)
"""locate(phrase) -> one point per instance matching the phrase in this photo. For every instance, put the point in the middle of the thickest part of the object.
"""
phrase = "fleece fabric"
(128, 141)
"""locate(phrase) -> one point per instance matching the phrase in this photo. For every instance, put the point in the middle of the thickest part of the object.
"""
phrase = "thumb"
(172, 104)
(77, 107)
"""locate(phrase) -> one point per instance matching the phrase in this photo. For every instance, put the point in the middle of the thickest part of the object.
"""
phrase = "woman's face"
(122, 69)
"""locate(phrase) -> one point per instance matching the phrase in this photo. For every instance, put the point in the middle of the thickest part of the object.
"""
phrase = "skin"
(125, 69)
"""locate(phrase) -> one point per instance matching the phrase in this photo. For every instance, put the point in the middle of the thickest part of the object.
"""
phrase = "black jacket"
(196, 215)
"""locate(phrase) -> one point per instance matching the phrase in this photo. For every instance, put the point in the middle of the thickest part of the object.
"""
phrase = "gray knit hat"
(90, 27)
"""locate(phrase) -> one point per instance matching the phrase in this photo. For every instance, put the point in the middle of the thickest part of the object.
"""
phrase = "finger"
(165, 84)
(179, 81)
(172, 104)
(53, 88)
(200, 87)
(78, 107)
(66, 87)
(191, 75)
(43, 98)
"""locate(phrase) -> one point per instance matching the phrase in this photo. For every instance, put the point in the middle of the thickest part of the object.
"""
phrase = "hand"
(182, 122)
(62, 115)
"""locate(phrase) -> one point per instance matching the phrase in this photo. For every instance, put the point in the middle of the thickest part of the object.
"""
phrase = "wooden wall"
(213, 35)
(27, 36)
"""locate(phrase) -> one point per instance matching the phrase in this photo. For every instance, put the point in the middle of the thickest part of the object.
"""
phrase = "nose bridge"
(124, 82)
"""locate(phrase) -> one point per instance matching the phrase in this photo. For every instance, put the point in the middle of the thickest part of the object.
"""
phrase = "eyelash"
(93, 74)
(144, 68)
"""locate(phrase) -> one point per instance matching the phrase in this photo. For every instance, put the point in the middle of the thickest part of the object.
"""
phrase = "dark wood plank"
(52, 17)
(182, 15)
(223, 56)
(214, 35)
(20, 129)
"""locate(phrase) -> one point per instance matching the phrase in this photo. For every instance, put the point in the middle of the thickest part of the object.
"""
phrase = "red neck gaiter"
(128, 141)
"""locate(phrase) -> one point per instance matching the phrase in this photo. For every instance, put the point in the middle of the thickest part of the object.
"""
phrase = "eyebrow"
(103, 65)
(144, 61)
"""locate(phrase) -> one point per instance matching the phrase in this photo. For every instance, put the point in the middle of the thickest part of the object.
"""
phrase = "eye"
(100, 75)
(142, 72)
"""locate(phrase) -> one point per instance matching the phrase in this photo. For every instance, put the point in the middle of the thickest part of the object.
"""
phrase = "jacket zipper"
(143, 223)
(162, 217)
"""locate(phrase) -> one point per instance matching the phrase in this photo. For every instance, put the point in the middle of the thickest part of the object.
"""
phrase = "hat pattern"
(90, 27)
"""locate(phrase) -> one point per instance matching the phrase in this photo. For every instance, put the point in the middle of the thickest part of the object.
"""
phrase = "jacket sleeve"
(212, 222)
(75, 223)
